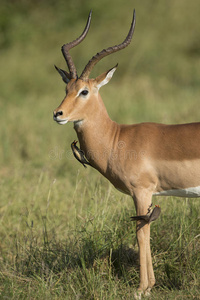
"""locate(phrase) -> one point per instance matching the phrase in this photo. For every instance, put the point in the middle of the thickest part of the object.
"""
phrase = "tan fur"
(140, 159)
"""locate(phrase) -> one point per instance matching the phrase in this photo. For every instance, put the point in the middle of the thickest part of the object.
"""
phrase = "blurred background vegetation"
(158, 80)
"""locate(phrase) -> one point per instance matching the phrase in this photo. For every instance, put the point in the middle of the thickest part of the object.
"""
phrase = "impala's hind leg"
(142, 201)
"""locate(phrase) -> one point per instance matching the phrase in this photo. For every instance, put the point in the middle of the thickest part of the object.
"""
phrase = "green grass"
(65, 231)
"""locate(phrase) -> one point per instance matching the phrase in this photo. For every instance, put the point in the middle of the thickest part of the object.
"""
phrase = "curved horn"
(88, 68)
(65, 48)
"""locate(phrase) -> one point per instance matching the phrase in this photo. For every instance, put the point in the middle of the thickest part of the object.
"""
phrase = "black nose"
(58, 113)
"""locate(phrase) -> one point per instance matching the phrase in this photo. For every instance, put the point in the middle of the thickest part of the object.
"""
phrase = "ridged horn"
(65, 49)
(96, 58)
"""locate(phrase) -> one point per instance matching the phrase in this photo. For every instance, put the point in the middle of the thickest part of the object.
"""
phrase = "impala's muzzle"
(58, 113)
(57, 116)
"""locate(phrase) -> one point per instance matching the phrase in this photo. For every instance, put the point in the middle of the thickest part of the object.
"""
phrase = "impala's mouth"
(60, 121)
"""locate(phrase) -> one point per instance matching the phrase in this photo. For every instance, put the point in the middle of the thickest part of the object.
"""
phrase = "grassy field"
(65, 232)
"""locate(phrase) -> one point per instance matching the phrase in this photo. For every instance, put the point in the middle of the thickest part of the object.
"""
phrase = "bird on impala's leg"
(151, 215)
(79, 154)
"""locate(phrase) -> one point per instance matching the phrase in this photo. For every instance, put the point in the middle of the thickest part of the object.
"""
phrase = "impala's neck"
(97, 136)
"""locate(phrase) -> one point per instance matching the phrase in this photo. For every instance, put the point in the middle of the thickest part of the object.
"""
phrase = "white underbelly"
(191, 192)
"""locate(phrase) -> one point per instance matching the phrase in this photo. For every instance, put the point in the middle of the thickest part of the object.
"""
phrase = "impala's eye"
(84, 93)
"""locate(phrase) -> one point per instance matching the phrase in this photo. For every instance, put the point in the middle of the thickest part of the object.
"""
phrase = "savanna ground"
(65, 231)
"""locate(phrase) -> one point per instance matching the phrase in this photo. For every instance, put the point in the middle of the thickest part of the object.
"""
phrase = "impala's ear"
(105, 77)
(65, 76)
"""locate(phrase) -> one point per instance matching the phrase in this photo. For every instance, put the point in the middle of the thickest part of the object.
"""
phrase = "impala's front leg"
(147, 280)
(150, 272)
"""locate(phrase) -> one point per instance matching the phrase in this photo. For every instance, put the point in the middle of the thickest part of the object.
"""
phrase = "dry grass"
(65, 232)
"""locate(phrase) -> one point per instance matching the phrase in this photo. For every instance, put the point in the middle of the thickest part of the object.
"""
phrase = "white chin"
(62, 122)
(78, 123)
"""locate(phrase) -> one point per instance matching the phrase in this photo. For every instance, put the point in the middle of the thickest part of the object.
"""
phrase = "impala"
(140, 160)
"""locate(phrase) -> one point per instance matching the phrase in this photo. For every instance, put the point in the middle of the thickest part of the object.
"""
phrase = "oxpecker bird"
(79, 154)
(151, 215)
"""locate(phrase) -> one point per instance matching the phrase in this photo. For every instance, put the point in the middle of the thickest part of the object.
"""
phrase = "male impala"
(140, 160)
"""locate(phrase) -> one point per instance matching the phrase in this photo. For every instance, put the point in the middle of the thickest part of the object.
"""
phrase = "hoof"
(147, 293)
(138, 295)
